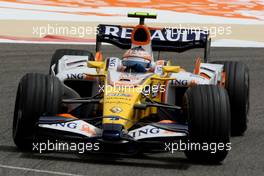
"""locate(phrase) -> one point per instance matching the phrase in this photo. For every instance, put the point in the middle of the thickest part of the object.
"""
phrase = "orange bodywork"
(146, 29)
(223, 79)
(67, 116)
(167, 121)
(197, 66)
(205, 75)
(99, 56)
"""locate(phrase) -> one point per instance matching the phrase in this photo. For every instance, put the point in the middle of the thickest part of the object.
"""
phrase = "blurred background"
(238, 23)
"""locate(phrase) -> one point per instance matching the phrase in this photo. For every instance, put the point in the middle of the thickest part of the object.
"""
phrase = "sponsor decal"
(124, 102)
(158, 69)
(112, 63)
(118, 95)
(165, 34)
(180, 82)
(114, 118)
(152, 132)
(75, 76)
(78, 126)
(145, 131)
(118, 98)
(70, 125)
(185, 83)
(116, 109)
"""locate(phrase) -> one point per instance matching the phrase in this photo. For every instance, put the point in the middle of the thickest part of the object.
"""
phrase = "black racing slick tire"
(37, 95)
(237, 86)
(208, 115)
(61, 52)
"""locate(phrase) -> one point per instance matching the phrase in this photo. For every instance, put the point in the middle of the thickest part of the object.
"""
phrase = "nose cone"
(112, 132)
(119, 105)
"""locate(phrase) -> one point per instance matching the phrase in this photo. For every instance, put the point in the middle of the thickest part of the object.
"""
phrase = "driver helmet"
(137, 58)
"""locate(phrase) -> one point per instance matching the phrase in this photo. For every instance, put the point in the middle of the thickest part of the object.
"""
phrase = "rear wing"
(162, 39)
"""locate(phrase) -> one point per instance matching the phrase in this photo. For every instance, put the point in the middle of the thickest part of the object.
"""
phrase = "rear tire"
(237, 85)
(37, 95)
(208, 115)
(61, 52)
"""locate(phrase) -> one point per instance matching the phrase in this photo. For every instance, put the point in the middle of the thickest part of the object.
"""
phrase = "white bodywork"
(214, 71)
(73, 67)
(150, 131)
(79, 127)
(85, 129)
(185, 79)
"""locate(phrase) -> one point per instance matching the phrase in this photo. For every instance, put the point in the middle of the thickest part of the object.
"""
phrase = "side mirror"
(95, 64)
(171, 69)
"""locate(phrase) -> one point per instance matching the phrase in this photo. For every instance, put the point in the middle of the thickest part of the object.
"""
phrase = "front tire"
(208, 115)
(37, 95)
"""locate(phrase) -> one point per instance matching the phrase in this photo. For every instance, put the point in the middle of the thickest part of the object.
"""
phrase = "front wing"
(72, 129)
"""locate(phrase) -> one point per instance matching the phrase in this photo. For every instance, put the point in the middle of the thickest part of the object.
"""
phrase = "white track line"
(37, 170)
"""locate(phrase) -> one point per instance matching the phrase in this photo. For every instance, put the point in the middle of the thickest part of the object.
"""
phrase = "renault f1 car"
(93, 99)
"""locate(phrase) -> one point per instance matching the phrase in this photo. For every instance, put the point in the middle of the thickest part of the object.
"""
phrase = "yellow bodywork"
(118, 101)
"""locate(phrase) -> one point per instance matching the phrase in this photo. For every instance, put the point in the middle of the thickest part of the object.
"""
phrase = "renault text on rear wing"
(163, 39)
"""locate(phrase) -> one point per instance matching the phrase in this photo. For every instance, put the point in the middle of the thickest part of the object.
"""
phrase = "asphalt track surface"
(245, 158)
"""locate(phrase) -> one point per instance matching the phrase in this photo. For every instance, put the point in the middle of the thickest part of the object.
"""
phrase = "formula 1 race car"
(136, 103)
